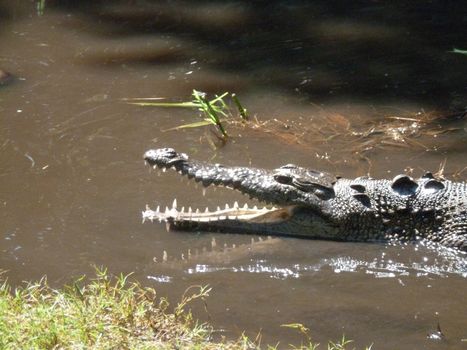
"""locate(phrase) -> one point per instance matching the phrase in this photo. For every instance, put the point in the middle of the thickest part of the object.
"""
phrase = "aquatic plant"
(459, 51)
(40, 7)
(212, 111)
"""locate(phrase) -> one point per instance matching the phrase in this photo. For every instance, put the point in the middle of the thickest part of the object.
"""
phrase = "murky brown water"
(73, 182)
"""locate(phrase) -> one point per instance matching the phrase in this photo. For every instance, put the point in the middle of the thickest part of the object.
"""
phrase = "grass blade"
(241, 110)
(191, 125)
(166, 104)
(459, 51)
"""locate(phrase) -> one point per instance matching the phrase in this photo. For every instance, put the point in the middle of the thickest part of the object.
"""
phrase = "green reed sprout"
(459, 51)
(212, 111)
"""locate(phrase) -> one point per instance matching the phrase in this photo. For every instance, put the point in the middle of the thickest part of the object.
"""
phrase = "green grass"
(213, 112)
(110, 313)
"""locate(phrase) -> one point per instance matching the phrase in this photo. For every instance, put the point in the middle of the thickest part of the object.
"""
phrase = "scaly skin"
(319, 205)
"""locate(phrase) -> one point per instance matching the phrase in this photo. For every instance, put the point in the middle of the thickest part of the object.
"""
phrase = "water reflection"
(440, 262)
(389, 262)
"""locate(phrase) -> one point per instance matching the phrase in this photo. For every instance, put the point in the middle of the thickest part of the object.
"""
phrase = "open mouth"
(294, 198)
(245, 213)
(177, 215)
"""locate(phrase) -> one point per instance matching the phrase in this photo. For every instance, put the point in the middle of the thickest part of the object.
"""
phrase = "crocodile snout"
(163, 157)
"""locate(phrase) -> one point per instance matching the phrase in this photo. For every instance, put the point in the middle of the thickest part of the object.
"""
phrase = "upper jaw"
(266, 186)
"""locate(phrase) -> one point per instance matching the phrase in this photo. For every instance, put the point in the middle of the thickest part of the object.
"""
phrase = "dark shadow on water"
(321, 49)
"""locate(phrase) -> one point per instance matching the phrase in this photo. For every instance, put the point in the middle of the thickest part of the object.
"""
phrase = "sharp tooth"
(207, 210)
(183, 256)
(158, 209)
(252, 241)
(213, 242)
(190, 210)
(164, 170)
(154, 166)
(197, 211)
(164, 256)
(180, 172)
(174, 204)
(182, 211)
(233, 246)
(227, 206)
(204, 191)
(245, 207)
(255, 208)
(189, 253)
(218, 208)
(235, 205)
(167, 210)
(167, 226)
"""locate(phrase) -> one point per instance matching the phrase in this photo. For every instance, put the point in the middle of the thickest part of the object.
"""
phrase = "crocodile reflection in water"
(222, 254)
(315, 204)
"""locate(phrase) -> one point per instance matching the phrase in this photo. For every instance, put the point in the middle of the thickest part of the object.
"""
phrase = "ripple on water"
(411, 260)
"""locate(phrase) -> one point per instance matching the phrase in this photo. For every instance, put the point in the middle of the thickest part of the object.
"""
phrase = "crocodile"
(307, 203)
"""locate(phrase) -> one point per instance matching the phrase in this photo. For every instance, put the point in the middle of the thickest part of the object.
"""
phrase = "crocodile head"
(296, 198)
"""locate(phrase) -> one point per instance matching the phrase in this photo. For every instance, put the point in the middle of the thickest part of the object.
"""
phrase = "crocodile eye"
(283, 179)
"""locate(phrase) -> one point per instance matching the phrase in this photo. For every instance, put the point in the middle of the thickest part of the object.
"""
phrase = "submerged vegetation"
(112, 313)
